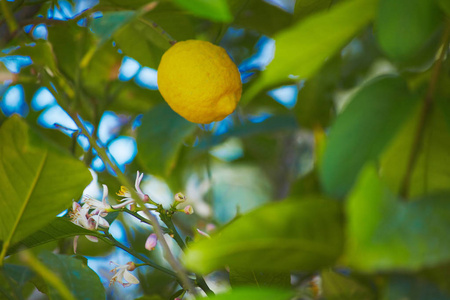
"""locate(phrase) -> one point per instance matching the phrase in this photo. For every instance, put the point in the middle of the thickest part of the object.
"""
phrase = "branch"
(7, 14)
(424, 115)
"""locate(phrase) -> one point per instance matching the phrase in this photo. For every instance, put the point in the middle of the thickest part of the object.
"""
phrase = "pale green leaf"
(290, 235)
(246, 293)
(385, 234)
(38, 181)
(216, 10)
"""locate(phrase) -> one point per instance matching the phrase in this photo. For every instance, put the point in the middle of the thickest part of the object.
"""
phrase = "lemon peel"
(199, 81)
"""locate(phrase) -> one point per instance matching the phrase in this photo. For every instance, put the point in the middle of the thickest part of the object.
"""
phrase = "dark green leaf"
(249, 277)
(216, 10)
(38, 181)
(57, 229)
(160, 138)
(304, 8)
(105, 26)
(81, 281)
(278, 237)
(386, 234)
(263, 17)
(403, 27)
(362, 131)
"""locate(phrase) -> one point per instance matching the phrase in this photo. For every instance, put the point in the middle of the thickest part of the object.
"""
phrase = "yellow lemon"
(199, 81)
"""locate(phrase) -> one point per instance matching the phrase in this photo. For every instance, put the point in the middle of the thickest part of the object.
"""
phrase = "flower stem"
(186, 282)
(111, 240)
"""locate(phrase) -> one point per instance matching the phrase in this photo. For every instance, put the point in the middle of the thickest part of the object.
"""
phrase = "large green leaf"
(430, 173)
(38, 181)
(362, 131)
(404, 26)
(216, 10)
(304, 8)
(289, 235)
(385, 234)
(303, 48)
(245, 293)
(411, 288)
(160, 138)
(81, 281)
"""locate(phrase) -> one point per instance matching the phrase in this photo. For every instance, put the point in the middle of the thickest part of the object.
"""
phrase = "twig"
(424, 115)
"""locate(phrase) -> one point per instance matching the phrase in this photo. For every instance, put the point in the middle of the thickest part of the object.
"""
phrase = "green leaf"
(385, 234)
(304, 8)
(339, 287)
(131, 98)
(249, 277)
(303, 48)
(81, 281)
(216, 10)
(160, 138)
(245, 293)
(38, 181)
(278, 237)
(403, 27)
(57, 229)
(363, 130)
(430, 173)
(110, 22)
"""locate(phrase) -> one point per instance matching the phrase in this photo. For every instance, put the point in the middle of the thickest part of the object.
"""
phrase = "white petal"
(130, 278)
(105, 194)
(92, 238)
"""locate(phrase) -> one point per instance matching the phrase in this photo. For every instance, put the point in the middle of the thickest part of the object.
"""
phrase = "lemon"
(199, 81)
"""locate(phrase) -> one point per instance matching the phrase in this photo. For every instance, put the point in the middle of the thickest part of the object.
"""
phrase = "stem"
(177, 267)
(199, 279)
(7, 14)
(424, 115)
(109, 238)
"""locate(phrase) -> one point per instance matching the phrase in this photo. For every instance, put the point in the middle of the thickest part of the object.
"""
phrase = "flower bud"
(188, 210)
(131, 266)
(151, 241)
(179, 197)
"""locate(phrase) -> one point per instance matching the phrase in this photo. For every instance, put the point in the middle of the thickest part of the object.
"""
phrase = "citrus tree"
(294, 149)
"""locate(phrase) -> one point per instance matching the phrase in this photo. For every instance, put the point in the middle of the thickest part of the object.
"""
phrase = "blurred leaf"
(289, 235)
(262, 16)
(137, 40)
(249, 277)
(57, 229)
(304, 8)
(105, 26)
(363, 130)
(445, 6)
(403, 27)
(83, 282)
(245, 293)
(128, 97)
(129, 4)
(216, 10)
(70, 43)
(40, 53)
(303, 48)
(430, 173)
(38, 181)
(102, 68)
(339, 287)
(160, 138)
(13, 281)
(385, 234)
(408, 287)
